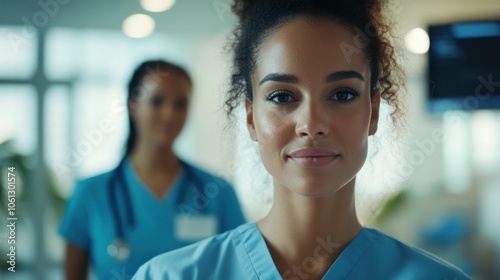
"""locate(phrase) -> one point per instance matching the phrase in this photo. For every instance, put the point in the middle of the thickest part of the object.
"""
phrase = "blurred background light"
(157, 5)
(417, 41)
(138, 26)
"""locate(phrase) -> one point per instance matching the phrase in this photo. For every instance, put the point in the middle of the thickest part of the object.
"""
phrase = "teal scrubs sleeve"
(74, 226)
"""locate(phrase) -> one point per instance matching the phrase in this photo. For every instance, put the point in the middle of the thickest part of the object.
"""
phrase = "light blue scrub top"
(193, 209)
(242, 254)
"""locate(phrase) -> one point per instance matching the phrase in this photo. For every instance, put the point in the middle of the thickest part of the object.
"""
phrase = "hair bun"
(242, 8)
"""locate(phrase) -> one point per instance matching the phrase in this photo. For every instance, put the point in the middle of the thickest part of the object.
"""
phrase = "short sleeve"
(74, 227)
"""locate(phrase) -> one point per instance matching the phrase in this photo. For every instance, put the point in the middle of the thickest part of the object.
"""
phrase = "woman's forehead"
(304, 45)
(167, 84)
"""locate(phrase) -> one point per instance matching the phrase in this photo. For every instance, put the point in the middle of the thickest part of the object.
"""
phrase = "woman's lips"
(313, 158)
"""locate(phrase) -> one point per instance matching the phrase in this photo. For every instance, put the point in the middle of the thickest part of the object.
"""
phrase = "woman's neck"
(156, 167)
(299, 228)
(153, 159)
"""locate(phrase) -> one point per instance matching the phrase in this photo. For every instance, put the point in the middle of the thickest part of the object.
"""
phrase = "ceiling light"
(157, 5)
(138, 26)
(417, 41)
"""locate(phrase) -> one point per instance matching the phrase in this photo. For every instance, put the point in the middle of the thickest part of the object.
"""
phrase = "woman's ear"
(375, 113)
(249, 119)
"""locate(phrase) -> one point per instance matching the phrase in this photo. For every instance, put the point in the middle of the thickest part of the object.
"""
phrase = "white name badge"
(195, 227)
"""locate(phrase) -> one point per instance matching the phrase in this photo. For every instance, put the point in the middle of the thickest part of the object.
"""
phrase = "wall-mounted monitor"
(464, 66)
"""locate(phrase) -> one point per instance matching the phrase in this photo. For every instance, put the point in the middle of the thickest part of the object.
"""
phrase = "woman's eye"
(345, 95)
(280, 97)
(181, 104)
(156, 102)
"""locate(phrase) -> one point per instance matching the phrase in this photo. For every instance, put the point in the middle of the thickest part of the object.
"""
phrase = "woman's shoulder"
(193, 261)
(411, 262)
(96, 178)
(93, 184)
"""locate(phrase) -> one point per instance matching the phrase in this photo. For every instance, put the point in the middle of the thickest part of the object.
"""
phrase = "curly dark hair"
(259, 18)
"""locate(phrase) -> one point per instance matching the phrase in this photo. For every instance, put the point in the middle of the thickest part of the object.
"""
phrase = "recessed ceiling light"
(138, 26)
(157, 5)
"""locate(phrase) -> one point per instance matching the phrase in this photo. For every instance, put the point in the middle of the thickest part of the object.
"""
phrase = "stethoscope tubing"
(117, 180)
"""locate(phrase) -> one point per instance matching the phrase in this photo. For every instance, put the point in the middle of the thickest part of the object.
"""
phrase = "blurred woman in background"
(152, 202)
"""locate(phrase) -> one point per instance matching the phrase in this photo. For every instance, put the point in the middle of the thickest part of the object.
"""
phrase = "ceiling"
(189, 17)
(196, 17)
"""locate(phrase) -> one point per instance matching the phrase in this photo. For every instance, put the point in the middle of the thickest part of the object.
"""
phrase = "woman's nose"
(312, 121)
(168, 111)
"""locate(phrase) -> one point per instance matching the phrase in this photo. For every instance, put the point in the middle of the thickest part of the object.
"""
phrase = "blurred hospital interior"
(65, 64)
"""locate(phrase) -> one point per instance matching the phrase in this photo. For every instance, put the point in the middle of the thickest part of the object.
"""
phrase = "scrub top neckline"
(134, 181)
(256, 250)
(260, 257)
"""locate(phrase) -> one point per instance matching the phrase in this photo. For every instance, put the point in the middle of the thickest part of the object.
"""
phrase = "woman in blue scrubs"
(311, 74)
(152, 202)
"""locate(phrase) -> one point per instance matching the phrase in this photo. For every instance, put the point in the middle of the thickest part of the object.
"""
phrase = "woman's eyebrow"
(277, 77)
(342, 75)
(332, 77)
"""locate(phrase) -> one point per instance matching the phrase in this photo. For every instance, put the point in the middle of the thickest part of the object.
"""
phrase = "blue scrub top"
(198, 205)
(242, 254)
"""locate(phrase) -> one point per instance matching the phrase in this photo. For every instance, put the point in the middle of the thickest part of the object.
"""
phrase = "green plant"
(19, 164)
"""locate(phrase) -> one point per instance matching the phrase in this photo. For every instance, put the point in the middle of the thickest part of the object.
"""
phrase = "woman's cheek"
(356, 136)
(267, 128)
(271, 139)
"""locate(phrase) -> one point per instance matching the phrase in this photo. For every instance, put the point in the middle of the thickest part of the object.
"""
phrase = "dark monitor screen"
(464, 66)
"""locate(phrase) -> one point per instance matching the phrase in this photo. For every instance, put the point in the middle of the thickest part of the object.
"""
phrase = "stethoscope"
(119, 248)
